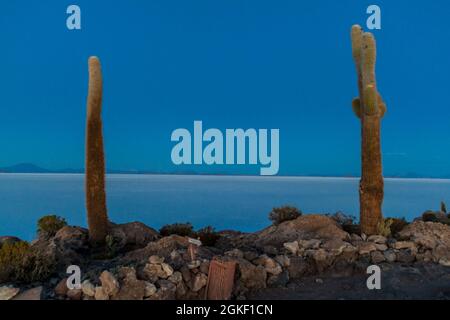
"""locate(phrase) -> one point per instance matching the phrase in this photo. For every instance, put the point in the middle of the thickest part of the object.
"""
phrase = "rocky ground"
(310, 257)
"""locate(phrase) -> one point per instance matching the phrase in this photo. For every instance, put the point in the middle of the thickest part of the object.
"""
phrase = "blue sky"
(231, 64)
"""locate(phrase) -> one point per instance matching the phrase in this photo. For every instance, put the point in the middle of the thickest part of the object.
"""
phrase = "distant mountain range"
(32, 168)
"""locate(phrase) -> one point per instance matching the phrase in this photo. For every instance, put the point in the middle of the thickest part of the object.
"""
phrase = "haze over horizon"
(231, 65)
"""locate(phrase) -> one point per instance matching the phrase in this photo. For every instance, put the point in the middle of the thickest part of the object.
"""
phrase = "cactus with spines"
(370, 108)
(95, 160)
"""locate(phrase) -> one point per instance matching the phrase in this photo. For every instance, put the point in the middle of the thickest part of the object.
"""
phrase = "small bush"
(181, 229)
(19, 262)
(397, 225)
(286, 213)
(384, 227)
(48, 226)
(208, 236)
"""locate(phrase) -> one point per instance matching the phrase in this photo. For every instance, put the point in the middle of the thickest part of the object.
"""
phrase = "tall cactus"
(95, 161)
(370, 109)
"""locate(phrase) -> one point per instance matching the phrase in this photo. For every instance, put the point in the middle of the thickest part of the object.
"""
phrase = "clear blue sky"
(232, 64)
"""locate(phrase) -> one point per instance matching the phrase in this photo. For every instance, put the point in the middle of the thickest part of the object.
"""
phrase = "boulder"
(377, 257)
(7, 293)
(335, 246)
(167, 291)
(61, 288)
(30, 294)
(100, 294)
(390, 255)
(109, 283)
(291, 247)
(198, 282)
(74, 294)
(403, 245)
(133, 234)
(88, 288)
(365, 247)
(251, 277)
(304, 227)
(298, 267)
(150, 289)
(270, 265)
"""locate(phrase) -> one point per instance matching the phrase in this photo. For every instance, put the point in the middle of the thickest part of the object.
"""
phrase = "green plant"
(95, 160)
(384, 227)
(19, 262)
(111, 246)
(286, 213)
(370, 109)
(208, 236)
(49, 225)
(181, 229)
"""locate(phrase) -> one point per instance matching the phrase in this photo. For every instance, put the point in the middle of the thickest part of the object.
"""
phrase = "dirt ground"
(425, 281)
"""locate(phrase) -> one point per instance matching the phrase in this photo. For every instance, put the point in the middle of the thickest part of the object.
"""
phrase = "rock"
(322, 259)
(390, 255)
(377, 257)
(291, 247)
(131, 288)
(381, 247)
(88, 288)
(168, 270)
(283, 260)
(405, 256)
(150, 289)
(319, 281)
(181, 291)
(445, 261)
(304, 227)
(74, 294)
(355, 238)
(198, 282)
(363, 236)
(403, 245)
(426, 256)
(309, 244)
(270, 265)
(194, 264)
(167, 291)
(279, 280)
(252, 277)
(335, 246)
(366, 247)
(270, 250)
(428, 233)
(134, 233)
(61, 288)
(7, 293)
(30, 294)
(110, 284)
(236, 253)
(153, 272)
(176, 277)
(100, 294)
(298, 267)
(250, 255)
(185, 273)
(163, 247)
(204, 267)
(440, 252)
(156, 259)
(377, 239)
